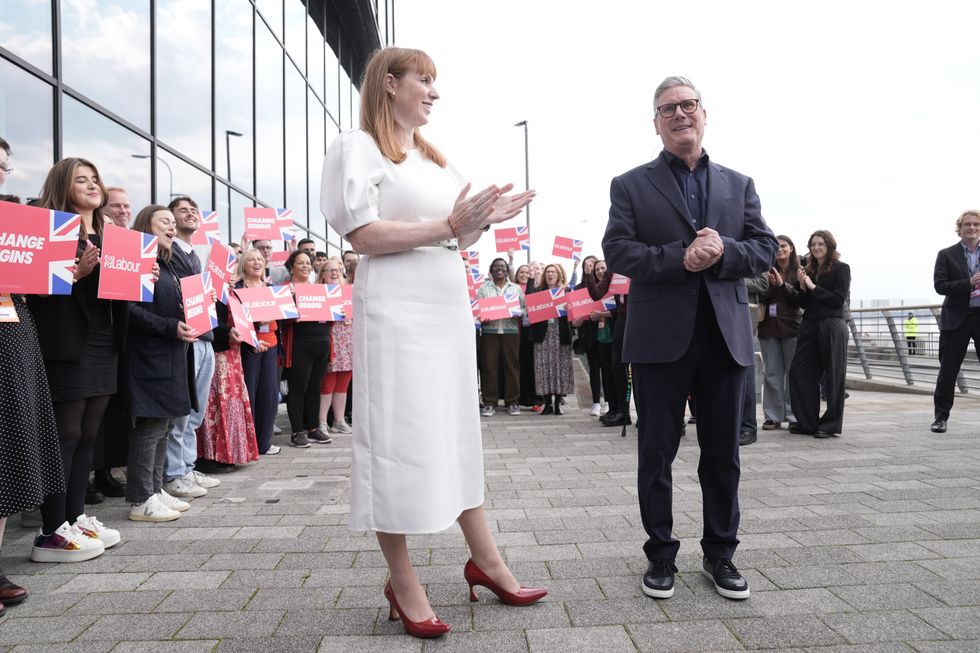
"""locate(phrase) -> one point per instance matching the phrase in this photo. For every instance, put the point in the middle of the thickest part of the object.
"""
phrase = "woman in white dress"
(396, 200)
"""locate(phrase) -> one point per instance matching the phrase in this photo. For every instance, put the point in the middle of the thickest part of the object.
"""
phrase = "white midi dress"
(417, 454)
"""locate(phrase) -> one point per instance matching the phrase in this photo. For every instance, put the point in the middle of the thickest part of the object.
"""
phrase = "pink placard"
(580, 304)
(471, 256)
(263, 223)
(199, 310)
(219, 269)
(311, 301)
(127, 264)
(619, 285)
(268, 303)
(567, 248)
(512, 239)
(37, 250)
(501, 307)
(545, 305)
(209, 230)
(245, 326)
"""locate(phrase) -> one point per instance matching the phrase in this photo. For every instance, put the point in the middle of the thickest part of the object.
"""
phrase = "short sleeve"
(352, 170)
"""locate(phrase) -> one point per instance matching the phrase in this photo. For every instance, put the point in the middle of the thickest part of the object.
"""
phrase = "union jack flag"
(523, 237)
(559, 293)
(513, 300)
(209, 230)
(475, 309)
(475, 278)
(63, 228)
(285, 217)
(284, 300)
(609, 302)
(148, 251)
(226, 260)
(336, 300)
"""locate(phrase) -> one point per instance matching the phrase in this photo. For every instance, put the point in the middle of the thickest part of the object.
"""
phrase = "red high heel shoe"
(524, 596)
(422, 629)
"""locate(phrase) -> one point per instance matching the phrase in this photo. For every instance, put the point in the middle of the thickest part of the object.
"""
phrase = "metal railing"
(879, 348)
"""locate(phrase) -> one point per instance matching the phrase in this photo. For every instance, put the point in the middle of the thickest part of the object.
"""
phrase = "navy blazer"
(157, 376)
(648, 230)
(951, 279)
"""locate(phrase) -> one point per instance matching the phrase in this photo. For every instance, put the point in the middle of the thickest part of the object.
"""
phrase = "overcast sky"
(858, 117)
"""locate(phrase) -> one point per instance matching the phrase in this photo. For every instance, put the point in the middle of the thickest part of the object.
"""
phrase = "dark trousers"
(749, 421)
(604, 362)
(952, 351)
(113, 440)
(821, 353)
(660, 389)
(147, 456)
(620, 370)
(310, 359)
(263, 392)
(911, 344)
(528, 394)
(500, 353)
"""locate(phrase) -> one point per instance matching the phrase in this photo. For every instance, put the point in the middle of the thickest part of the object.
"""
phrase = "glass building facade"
(231, 102)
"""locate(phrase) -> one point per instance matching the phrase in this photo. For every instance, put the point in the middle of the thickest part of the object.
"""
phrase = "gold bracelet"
(452, 227)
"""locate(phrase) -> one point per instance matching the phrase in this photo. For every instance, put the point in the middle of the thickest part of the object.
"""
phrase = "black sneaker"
(317, 436)
(747, 437)
(728, 582)
(771, 425)
(300, 440)
(658, 582)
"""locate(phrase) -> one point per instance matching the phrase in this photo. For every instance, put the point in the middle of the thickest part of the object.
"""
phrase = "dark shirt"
(828, 298)
(693, 184)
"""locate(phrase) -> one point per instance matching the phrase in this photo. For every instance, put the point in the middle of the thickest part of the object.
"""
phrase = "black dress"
(30, 453)
(95, 373)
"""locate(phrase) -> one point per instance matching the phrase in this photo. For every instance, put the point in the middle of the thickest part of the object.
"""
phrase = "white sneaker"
(273, 450)
(202, 480)
(67, 544)
(152, 510)
(596, 410)
(184, 488)
(276, 429)
(173, 502)
(605, 408)
(340, 427)
(92, 527)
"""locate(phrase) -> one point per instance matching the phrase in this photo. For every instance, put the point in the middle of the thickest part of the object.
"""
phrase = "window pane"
(187, 180)
(106, 55)
(316, 147)
(296, 144)
(111, 147)
(269, 119)
(271, 10)
(332, 132)
(25, 30)
(296, 33)
(315, 43)
(331, 97)
(238, 204)
(26, 121)
(345, 115)
(233, 90)
(183, 45)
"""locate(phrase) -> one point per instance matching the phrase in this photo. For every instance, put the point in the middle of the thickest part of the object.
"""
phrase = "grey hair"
(671, 82)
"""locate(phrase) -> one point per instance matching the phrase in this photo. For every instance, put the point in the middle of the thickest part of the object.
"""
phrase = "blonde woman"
(553, 373)
(398, 202)
(336, 380)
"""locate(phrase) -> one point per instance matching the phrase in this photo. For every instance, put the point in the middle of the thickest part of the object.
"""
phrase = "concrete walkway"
(868, 542)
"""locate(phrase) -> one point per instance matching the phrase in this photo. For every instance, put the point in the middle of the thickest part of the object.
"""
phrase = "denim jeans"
(182, 438)
(778, 356)
(147, 453)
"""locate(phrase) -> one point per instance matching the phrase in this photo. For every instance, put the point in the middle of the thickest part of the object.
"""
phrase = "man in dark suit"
(687, 231)
(957, 276)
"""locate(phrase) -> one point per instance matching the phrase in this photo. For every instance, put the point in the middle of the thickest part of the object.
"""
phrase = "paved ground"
(869, 542)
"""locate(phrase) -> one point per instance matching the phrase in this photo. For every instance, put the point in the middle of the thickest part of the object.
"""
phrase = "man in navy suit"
(687, 231)
(957, 278)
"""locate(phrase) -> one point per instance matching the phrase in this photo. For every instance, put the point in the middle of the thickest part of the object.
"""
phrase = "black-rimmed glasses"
(687, 106)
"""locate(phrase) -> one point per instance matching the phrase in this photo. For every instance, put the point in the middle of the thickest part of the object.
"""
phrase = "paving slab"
(868, 543)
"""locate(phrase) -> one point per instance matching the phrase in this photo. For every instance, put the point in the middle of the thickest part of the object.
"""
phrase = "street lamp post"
(527, 186)
(228, 134)
(167, 165)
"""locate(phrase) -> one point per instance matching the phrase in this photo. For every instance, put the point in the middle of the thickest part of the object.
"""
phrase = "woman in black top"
(80, 337)
(307, 352)
(821, 351)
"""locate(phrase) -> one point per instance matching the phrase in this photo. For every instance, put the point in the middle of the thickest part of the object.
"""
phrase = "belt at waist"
(449, 243)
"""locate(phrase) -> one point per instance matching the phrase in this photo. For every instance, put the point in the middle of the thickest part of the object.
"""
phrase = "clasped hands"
(805, 280)
(706, 250)
(489, 206)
